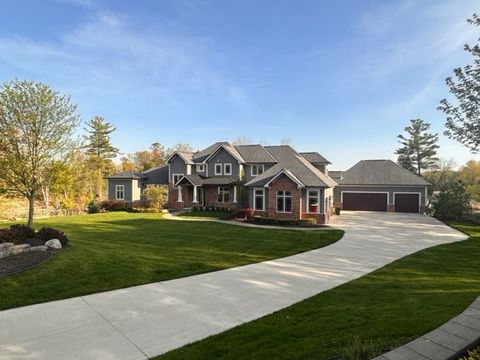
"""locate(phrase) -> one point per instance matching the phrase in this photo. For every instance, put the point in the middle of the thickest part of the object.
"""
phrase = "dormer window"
(218, 169)
(227, 169)
(257, 169)
(201, 168)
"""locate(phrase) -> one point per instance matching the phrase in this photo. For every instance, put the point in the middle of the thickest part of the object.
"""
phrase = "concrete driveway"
(148, 320)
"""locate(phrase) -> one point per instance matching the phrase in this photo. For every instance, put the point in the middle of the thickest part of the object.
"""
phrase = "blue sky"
(342, 77)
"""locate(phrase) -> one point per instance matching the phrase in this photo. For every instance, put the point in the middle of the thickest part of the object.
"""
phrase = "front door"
(201, 196)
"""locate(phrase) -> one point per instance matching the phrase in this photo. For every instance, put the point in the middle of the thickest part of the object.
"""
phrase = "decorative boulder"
(53, 244)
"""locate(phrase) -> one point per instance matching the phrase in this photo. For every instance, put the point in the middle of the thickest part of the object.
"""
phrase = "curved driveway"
(147, 320)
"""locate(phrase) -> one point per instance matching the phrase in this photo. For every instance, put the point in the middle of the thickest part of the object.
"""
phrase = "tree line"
(41, 159)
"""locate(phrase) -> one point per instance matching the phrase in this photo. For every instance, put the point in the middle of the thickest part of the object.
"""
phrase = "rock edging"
(448, 342)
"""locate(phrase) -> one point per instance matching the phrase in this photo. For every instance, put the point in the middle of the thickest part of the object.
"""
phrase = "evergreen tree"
(463, 118)
(100, 151)
(419, 147)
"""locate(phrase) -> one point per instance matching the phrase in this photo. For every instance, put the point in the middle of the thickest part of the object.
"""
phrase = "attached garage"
(379, 185)
(366, 201)
(407, 202)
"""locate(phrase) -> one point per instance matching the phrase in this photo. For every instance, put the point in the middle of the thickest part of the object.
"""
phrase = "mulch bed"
(17, 263)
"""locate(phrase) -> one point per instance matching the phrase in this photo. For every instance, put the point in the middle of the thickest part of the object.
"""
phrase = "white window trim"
(218, 193)
(284, 196)
(256, 165)
(215, 169)
(117, 187)
(263, 199)
(201, 168)
(225, 169)
(308, 201)
(173, 179)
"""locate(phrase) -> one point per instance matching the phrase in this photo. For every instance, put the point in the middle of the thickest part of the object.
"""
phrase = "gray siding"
(390, 189)
(222, 157)
(177, 166)
(128, 183)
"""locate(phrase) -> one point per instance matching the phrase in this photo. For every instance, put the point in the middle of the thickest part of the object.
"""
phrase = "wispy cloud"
(111, 53)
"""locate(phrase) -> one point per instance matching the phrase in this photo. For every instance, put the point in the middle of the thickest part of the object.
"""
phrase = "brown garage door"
(407, 203)
(365, 201)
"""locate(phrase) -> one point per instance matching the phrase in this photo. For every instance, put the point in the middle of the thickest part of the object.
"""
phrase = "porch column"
(179, 197)
(194, 193)
(235, 193)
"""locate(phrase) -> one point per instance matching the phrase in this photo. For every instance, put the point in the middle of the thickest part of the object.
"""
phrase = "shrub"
(20, 233)
(472, 355)
(157, 195)
(47, 233)
(92, 207)
(356, 349)
(278, 222)
(246, 213)
(113, 205)
(5, 235)
(452, 203)
(195, 208)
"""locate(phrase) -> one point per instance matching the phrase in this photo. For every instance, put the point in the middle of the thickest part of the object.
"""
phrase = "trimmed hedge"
(278, 222)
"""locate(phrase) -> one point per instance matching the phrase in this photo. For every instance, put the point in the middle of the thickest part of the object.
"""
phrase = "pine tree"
(100, 150)
(419, 147)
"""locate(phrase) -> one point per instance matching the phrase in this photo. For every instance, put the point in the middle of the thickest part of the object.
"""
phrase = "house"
(276, 181)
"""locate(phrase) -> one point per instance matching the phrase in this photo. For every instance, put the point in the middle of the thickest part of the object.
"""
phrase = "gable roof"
(185, 156)
(127, 175)
(289, 160)
(255, 154)
(157, 175)
(379, 172)
(205, 154)
(314, 158)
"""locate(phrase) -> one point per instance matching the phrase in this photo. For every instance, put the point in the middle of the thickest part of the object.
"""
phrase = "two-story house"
(276, 181)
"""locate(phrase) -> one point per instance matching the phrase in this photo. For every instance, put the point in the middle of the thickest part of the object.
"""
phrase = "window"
(227, 169)
(120, 192)
(259, 199)
(223, 194)
(313, 201)
(284, 201)
(200, 168)
(218, 169)
(257, 169)
(176, 178)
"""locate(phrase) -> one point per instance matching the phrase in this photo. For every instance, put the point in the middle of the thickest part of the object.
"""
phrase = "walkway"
(147, 320)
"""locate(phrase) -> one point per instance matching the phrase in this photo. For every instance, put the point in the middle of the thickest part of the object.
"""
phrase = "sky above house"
(342, 78)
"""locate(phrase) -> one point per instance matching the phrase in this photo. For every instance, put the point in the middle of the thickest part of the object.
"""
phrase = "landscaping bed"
(221, 215)
(18, 263)
(309, 223)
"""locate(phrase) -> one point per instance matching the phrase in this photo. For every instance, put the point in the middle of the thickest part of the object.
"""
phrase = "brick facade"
(210, 194)
(211, 197)
(187, 195)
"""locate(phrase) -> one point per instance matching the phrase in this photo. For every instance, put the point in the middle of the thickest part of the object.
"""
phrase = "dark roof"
(199, 180)
(291, 161)
(157, 175)
(255, 154)
(336, 175)
(315, 158)
(379, 172)
(201, 156)
(127, 175)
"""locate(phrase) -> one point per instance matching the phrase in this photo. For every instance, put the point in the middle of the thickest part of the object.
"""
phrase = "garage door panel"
(365, 201)
(408, 203)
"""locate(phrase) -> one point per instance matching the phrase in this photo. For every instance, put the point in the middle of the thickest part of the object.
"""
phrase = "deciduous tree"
(36, 125)
(463, 116)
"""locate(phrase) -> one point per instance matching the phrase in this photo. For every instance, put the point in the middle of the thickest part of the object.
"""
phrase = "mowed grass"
(116, 250)
(207, 214)
(390, 307)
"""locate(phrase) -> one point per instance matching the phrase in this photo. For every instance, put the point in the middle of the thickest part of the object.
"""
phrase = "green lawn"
(207, 214)
(390, 307)
(115, 250)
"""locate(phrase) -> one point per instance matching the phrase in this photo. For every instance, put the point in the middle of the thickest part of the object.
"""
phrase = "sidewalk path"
(147, 320)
